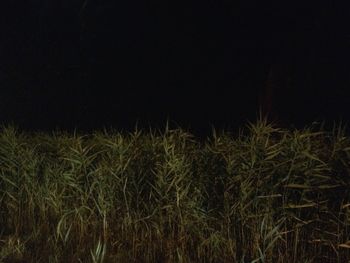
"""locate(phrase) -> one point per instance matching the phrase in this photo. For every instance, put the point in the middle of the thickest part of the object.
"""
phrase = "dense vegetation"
(265, 195)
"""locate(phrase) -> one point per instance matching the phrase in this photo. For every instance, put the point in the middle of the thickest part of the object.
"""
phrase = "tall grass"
(266, 195)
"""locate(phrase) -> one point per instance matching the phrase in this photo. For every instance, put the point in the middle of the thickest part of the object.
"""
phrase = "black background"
(92, 64)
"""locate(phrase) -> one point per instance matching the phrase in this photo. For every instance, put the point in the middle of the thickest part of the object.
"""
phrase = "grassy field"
(265, 195)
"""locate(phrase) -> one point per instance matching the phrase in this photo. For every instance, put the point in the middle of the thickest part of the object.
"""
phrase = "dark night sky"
(68, 64)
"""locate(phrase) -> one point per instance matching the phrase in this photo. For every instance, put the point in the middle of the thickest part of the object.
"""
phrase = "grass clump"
(266, 195)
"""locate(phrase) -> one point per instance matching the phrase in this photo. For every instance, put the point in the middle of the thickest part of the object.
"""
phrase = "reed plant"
(265, 195)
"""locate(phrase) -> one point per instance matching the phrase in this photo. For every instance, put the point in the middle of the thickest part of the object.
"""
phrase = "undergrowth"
(266, 195)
